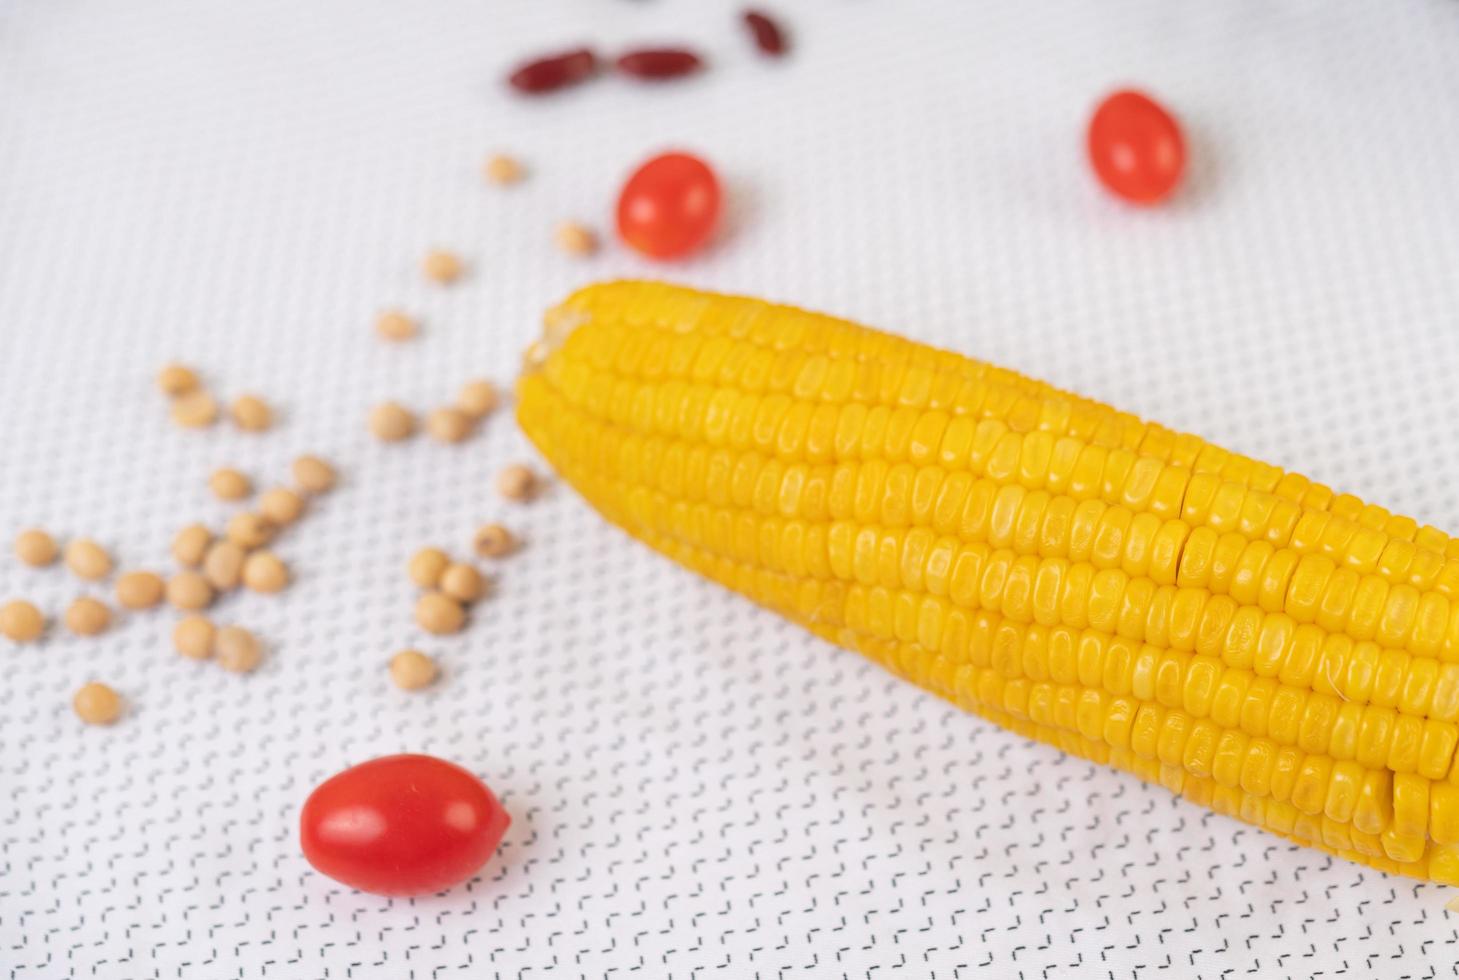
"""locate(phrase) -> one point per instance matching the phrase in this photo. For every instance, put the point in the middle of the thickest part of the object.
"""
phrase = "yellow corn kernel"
(1119, 718)
(1410, 805)
(1417, 692)
(1389, 677)
(1090, 654)
(1309, 790)
(1407, 738)
(1106, 593)
(1273, 643)
(1118, 666)
(1444, 813)
(1170, 678)
(1287, 707)
(1229, 756)
(1444, 705)
(1256, 709)
(1200, 747)
(1374, 810)
(1246, 578)
(1444, 864)
(1362, 672)
(1186, 611)
(1276, 578)
(1300, 663)
(1256, 767)
(1375, 736)
(1157, 616)
(1230, 698)
(1280, 816)
(1400, 847)
(1367, 607)
(1342, 740)
(1344, 784)
(1400, 612)
(1285, 769)
(1308, 584)
(1145, 730)
(1135, 608)
(1436, 748)
(1165, 550)
(1224, 560)
(1195, 563)
(1335, 835)
(1216, 619)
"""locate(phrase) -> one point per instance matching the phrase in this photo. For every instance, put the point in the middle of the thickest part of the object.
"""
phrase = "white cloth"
(697, 788)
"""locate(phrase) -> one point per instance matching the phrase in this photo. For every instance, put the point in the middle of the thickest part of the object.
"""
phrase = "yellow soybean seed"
(177, 379)
(493, 541)
(250, 530)
(448, 425)
(223, 565)
(462, 582)
(35, 548)
(439, 614)
(21, 621)
(412, 670)
(575, 239)
(314, 475)
(87, 617)
(96, 704)
(251, 413)
(426, 567)
(237, 650)
(391, 422)
(189, 591)
(281, 505)
(263, 571)
(395, 326)
(87, 559)
(190, 545)
(442, 266)
(140, 590)
(193, 637)
(195, 410)
(517, 482)
(478, 399)
(501, 169)
(229, 484)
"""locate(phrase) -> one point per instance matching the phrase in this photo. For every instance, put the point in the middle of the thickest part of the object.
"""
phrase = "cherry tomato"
(669, 206)
(401, 825)
(1136, 147)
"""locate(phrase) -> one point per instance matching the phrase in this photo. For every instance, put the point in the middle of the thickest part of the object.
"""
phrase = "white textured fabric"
(697, 788)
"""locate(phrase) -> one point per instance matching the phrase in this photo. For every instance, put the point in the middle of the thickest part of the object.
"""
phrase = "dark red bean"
(554, 72)
(769, 38)
(656, 63)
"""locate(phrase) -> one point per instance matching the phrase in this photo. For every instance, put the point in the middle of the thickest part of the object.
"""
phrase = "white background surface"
(697, 789)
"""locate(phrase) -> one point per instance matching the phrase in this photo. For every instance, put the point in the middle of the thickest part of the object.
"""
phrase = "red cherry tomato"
(1136, 147)
(669, 206)
(401, 825)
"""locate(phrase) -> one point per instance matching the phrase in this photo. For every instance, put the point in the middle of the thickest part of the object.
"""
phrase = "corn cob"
(1242, 635)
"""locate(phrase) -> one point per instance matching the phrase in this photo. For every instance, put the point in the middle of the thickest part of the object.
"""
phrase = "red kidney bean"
(769, 38)
(656, 63)
(554, 71)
